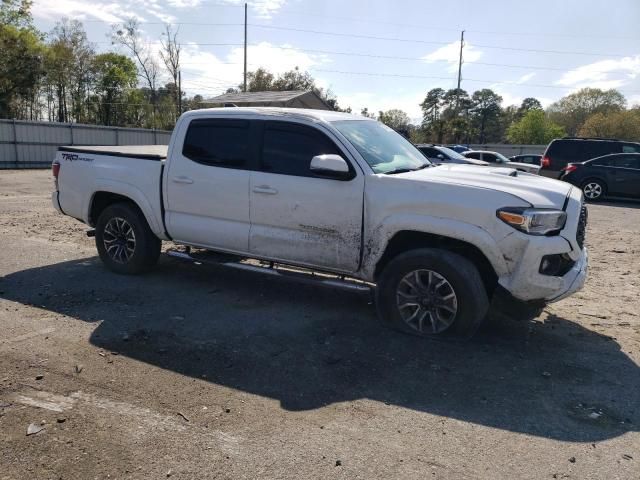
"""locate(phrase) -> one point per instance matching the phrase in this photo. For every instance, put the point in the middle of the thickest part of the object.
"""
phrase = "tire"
(594, 189)
(461, 277)
(122, 249)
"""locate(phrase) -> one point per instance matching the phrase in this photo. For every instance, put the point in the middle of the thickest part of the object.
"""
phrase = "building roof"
(287, 98)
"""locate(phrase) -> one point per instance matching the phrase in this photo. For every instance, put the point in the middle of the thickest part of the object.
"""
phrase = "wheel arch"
(406, 240)
(103, 199)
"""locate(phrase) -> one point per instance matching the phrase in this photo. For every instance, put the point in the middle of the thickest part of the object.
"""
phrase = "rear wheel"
(594, 190)
(431, 292)
(124, 240)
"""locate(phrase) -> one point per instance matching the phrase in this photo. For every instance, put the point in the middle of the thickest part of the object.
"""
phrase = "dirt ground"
(195, 372)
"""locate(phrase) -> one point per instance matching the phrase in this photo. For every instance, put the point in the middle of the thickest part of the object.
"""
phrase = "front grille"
(582, 226)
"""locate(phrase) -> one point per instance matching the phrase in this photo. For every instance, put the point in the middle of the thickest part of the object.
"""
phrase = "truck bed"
(144, 152)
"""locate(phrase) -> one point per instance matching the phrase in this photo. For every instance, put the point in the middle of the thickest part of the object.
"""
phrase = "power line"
(397, 75)
(408, 40)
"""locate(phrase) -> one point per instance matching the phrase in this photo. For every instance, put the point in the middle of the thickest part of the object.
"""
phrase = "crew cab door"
(298, 216)
(207, 184)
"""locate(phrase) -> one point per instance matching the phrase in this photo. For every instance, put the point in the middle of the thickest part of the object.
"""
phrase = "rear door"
(297, 216)
(626, 175)
(207, 184)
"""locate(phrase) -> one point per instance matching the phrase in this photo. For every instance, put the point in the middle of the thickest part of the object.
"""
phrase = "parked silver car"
(498, 158)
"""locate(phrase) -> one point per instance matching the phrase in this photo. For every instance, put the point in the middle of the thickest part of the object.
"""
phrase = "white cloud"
(634, 100)
(209, 75)
(408, 102)
(451, 54)
(55, 9)
(525, 78)
(264, 8)
(600, 74)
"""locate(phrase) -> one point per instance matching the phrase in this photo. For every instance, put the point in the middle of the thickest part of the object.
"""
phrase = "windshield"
(382, 148)
(451, 153)
(502, 158)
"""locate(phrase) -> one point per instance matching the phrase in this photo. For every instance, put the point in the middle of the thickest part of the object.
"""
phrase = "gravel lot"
(197, 372)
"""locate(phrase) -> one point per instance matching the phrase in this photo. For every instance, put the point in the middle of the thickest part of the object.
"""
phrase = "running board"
(283, 273)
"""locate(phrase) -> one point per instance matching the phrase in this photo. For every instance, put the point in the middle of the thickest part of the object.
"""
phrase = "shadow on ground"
(308, 347)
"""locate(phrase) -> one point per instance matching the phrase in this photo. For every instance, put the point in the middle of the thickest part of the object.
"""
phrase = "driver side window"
(288, 148)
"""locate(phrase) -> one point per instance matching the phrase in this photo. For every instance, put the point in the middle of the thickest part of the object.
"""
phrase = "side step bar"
(324, 280)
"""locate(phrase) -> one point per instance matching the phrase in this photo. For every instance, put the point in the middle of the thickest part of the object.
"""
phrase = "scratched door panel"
(307, 221)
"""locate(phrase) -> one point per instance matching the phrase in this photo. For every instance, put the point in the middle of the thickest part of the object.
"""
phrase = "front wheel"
(124, 240)
(432, 292)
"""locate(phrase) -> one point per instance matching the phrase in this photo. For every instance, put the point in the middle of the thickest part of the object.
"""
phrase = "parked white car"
(339, 194)
(496, 158)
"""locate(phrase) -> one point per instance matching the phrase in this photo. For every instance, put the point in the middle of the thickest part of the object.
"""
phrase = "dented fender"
(379, 238)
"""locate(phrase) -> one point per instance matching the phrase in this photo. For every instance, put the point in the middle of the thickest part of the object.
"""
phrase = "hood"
(541, 192)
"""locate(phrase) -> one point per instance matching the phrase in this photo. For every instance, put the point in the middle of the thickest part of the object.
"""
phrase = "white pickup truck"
(342, 196)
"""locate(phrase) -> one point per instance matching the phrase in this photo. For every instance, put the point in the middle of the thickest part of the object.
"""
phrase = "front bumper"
(524, 281)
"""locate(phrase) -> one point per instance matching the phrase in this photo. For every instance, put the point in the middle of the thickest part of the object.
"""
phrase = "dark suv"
(566, 150)
(616, 175)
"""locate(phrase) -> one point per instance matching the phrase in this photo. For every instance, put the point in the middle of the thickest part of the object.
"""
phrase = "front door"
(297, 216)
(207, 185)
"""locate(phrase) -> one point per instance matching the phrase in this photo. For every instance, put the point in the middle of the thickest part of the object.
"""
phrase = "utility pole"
(245, 47)
(179, 92)
(459, 70)
(460, 59)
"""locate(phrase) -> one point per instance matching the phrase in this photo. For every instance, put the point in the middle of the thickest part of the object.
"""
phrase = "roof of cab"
(321, 115)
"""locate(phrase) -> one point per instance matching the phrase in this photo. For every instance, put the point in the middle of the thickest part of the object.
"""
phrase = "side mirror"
(440, 156)
(330, 165)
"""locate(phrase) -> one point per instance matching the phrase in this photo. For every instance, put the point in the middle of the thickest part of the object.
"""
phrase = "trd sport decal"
(73, 157)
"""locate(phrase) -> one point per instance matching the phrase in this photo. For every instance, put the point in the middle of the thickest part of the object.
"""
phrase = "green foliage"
(16, 13)
(624, 125)
(573, 110)
(20, 70)
(396, 119)
(534, 129)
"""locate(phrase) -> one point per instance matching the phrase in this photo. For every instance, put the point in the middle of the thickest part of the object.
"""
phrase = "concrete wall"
(25, 144)
(510, 150)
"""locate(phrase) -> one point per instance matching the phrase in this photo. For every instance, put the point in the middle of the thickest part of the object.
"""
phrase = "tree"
(527, 104)
(129, 36)
(573, 110)
(170, 54)
(114, 74)
(295, 80)
(534, 129)
(68, 68)
(366, 113)
(623, 125)
(396, 119)
(20, 71)
(259, 81)
(16, 13)
(485, 114)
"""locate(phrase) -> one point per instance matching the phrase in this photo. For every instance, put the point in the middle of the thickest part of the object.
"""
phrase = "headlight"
(534, 221)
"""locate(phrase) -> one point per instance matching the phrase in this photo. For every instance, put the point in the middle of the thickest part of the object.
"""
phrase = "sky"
(387, 54)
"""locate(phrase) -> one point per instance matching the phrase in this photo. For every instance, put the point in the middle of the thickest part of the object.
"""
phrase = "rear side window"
(564, 150)
(223, 143)
(430, 152)
(603, 162)
(627, 161)
(475, 155)
(630, 148)
(598, 148)
(289, 148)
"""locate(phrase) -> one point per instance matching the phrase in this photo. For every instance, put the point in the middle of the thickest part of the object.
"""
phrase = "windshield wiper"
(405, 170)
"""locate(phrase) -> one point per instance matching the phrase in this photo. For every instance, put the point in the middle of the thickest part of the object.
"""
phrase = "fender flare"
(134, 194)
(445, 227)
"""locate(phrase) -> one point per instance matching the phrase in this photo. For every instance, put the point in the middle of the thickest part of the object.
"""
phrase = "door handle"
(182, 180)
(266, 189)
